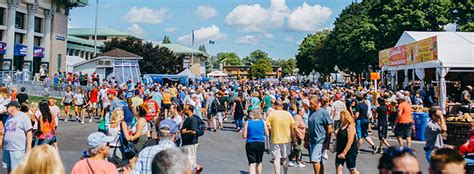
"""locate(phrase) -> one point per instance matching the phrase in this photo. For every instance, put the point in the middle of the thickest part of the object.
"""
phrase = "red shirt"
(152, 109)
(94, 95)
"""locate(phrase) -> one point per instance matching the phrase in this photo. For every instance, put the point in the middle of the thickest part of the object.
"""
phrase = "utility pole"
(95, 28)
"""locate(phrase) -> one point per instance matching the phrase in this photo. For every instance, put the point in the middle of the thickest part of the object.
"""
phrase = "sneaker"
(379, 150)
(292, 164)
(301, 165)
(325, 154)
(82, 122)
(374, 148)
(90, 121)
(65, 119)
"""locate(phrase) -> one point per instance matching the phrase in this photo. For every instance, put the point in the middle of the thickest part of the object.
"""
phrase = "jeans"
(239, 123)
(428, 154)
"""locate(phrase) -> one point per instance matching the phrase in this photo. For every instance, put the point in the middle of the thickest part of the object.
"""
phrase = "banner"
(20, 50)
(412, 53)
(38, 52)
(3, 47)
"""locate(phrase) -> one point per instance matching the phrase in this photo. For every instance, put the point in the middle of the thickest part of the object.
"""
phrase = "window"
(59, 62)
(38, 24)
(20, 20)
(37, 41)
(2, 16)
(19, 38)
(101, 37)
(1, 35)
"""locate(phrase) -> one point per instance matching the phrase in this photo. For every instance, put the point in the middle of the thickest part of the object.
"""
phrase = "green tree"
(463, 15)
(229, 58)
(310, 53)
(255, 56)
(288, 67)
(202, 48)
(260, 68)
(156, 59)
(166, 40)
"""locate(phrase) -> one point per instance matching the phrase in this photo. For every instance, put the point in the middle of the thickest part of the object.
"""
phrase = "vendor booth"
(185, 78)
(117, 65)
(216, 74)
(435, 59)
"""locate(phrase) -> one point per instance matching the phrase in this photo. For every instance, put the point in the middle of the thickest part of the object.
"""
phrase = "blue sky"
(274, 26)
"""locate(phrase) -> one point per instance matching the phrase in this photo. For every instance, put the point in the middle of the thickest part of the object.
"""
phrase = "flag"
(193, 37)
(211, 42)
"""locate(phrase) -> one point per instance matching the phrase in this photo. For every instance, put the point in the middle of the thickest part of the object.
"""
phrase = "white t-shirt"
(337, 107)
(55, 111)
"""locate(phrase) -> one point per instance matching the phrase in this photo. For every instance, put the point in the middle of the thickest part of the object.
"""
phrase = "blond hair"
(255, 114)
(346, 118)
(33, 106)
(41, 159)
(117, 115)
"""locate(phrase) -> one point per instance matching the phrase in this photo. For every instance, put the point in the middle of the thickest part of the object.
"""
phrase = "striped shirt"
(145, 158)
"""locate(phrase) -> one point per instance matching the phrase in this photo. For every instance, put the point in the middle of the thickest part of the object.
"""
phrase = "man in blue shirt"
(319, 133)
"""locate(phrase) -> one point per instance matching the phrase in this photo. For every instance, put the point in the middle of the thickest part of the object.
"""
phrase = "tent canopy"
(455, 49)
(217, 74)
(71, 61)
(187, 72)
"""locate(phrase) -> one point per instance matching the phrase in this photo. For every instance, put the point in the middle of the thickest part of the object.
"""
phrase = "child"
(300, 130)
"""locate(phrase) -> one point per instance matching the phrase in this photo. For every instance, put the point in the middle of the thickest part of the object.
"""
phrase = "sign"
(3, 47)
(61, 38)
(412, 53)
(20, 50)
(374, 76)
(38, 52)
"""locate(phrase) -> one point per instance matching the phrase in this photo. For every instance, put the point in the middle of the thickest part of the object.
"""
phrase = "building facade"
(193, 59)
(80, 41)
(33, 34)
(242, 71)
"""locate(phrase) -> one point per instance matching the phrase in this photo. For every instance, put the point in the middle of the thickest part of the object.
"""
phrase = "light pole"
(95, 28)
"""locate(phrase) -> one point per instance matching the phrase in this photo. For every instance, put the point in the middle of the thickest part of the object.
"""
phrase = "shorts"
(11, 159)
(350, 161)
(79, 105)
(167, 106)
(315, 153)
(280, 150)
(94, 105)
(382, 129)
(362, 128)
(219, 116)
(67, 104)
(191, 150)
(403, 130)
(254, 151)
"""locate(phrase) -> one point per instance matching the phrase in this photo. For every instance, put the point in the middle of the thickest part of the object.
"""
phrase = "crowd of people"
(154, 128)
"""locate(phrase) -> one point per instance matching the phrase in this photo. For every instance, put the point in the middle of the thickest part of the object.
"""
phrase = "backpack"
(219, 105)
(201, 126)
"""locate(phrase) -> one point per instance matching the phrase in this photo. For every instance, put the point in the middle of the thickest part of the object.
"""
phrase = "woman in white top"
(79, 104)
(114, 130)
(179, 120)
(67, 102)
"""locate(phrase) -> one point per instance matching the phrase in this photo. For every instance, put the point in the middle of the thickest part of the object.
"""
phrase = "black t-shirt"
(362, 109)
(382, 115)
(220, 104)
(22, 97)
(239, 107)
(190, 123)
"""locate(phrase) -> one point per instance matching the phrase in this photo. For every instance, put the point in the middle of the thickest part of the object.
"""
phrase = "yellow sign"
(374, 76)
(416, 52)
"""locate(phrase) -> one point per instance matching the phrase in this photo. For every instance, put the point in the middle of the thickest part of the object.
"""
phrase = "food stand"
(438, 54)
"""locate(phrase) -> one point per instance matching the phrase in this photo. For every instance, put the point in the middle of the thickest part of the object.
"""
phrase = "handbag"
(128, 149)
(102, 128)
(118, 162)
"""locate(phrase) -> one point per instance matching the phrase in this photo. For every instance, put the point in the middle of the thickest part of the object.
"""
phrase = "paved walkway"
(219, 152)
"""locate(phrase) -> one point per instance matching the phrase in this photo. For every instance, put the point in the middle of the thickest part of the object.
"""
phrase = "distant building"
(33, 34)
(198, 65)
(117, 65)
(80, 41)
(242, 71)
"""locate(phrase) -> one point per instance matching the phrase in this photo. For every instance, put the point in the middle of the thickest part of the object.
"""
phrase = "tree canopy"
(156, 59)
(166, 40)
(229, 58)
(260, 68)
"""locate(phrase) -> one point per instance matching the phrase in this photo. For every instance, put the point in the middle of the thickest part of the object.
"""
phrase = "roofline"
(104, 57)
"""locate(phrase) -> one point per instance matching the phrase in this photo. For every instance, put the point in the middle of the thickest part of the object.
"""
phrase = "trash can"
(421, 120)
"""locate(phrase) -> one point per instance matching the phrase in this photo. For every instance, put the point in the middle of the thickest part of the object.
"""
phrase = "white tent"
(71, 61)
(217, 74)
(455, 53)
(187, 72)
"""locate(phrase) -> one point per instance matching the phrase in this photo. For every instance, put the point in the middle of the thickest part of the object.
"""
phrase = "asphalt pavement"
(219, 152)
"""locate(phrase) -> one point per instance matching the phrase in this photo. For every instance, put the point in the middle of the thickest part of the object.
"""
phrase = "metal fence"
(37, 88)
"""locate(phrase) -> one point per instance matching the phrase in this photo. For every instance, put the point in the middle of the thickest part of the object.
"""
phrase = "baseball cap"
(97, 139)
(338, 96)
(306, 102)
(13, 103)
(168, 125)
(112, 91)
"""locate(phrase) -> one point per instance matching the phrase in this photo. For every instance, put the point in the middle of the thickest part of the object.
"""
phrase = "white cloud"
(247, 39)
(254, 18)
(205, 12)
(171, 30)
(268, 35)
(203, 35)
(289, 38)
(136, 30)
(145, 15)
(308, 18)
